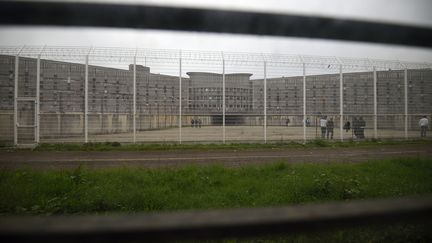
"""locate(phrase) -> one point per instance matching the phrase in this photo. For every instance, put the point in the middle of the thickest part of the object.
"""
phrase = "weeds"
(82, 191)
(116, 146)
(77, 176)
(193, 187)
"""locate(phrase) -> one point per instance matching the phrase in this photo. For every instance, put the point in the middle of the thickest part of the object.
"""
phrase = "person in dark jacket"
(355, 127)
(330, 126)
(362, 126)
(347, 126)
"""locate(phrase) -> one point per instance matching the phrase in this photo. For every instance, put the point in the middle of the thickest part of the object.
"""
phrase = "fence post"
(341, 103)
(86, 98)
(37, 111)
(180, 98)
(15, 124)
(134, 99)
(375, 106)
(265, 102)
(304, 102)
(223, 99)
(406, 101)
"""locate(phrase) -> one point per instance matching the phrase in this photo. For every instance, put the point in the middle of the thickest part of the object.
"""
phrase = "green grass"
(82, 191)
(116, 146)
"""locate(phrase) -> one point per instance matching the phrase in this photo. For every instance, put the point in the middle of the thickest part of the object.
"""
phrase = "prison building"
(323, 96)
(110, 97)
(205, 96)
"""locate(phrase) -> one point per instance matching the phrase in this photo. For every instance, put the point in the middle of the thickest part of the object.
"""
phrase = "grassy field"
(83, 191)
(116, 146)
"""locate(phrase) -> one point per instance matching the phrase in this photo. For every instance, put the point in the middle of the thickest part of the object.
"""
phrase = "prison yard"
(212, 134)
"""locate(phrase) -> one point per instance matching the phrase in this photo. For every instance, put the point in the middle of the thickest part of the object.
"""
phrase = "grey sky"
(407, 12)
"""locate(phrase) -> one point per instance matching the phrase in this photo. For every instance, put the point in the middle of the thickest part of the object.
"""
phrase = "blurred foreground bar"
(214, 224)
(207, 20)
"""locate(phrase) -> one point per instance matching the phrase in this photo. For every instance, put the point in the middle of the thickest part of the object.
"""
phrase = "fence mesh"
(87, 94)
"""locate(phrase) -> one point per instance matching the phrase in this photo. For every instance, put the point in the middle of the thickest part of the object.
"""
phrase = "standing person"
(355, 127)
(362, 126)
(307, 122)
(287, 121)
(199, 123)
(424, 124)
(347, 126)
(192, 123)
(323, 125)
(330, 126)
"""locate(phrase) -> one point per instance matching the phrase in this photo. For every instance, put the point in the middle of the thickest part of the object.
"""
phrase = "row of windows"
(219, 97)
(241, 90)
(192, 106)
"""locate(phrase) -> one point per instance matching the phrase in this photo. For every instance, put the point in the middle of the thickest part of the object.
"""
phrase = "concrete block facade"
(110, 99)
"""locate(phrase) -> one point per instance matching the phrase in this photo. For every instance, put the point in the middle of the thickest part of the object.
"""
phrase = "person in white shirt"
(323, 125)
(424, 124)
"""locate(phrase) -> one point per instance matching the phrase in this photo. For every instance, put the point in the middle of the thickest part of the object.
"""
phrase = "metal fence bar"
(265, 102)
(16, 100)
(375, 108)
(16, 77)
(304, 102)
(406, 102)
(223, 100)
(37, 105)
(180, 99)
(214, 224)
(134, 99)
(341, 103)
(86, 98)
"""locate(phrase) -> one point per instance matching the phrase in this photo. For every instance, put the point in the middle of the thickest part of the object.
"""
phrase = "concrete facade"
(111, 97)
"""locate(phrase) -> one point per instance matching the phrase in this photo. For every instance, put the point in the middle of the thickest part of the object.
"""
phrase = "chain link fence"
(91, 94)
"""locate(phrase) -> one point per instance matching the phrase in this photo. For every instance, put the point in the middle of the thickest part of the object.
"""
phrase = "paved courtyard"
(232, 134)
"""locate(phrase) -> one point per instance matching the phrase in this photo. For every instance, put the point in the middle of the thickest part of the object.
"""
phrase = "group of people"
(196, 123)
(358, 127)
(327, 127)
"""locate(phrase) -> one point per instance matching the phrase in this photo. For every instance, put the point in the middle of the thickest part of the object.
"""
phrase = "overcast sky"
(413, 12)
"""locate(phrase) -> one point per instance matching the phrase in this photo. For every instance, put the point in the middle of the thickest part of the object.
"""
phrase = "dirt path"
(62, 160)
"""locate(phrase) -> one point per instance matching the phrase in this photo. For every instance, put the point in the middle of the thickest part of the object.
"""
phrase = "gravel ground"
(64, 160)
